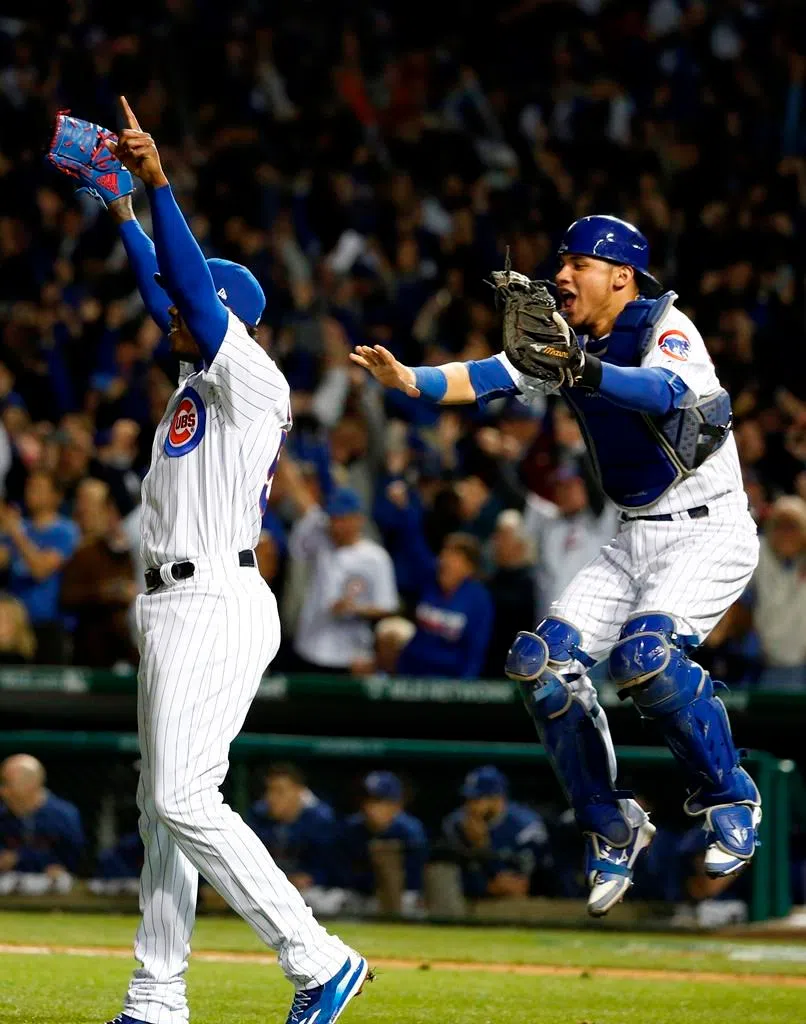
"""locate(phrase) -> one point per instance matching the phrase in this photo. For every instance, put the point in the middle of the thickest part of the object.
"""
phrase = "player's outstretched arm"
(142, 259)
(183, 269)
(449, 384)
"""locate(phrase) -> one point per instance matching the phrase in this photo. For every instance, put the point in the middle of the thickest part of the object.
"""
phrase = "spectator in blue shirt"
(299, 830)
(503, 846)
(35, 549)
(382, 821)
(41, 838)
(454, 616)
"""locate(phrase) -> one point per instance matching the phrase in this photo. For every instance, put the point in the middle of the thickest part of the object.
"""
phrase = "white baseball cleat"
(609, 869)
(732, 833)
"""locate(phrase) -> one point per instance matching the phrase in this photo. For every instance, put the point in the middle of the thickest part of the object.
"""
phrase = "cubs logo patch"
(187, 425)
(675, 345)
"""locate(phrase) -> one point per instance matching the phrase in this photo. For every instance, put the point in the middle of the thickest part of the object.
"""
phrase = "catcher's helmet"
(614, 240)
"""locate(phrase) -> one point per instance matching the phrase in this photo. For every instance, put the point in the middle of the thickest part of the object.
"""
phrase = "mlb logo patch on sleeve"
(187, 425)
(675, 345)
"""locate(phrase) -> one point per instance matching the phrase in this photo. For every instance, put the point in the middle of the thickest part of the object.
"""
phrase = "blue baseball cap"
(383, 786)
(237, 288)
(484, 781)
(343, 501)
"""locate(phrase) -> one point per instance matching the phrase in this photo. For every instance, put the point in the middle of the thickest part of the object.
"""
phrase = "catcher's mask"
(614, 240)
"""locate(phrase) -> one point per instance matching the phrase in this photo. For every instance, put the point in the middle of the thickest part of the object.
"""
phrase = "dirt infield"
(535, 970)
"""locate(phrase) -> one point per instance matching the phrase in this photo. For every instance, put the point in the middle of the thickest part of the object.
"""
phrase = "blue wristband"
(431, 382)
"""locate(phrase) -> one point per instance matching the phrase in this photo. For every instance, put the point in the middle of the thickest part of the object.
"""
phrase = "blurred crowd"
(371, 167)
(379, 859)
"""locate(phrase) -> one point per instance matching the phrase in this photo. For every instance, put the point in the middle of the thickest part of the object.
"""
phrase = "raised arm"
(184, 273)
(142, 259)
(449, 384)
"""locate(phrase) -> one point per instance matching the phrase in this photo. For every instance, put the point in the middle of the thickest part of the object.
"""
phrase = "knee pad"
(650, 664)
(555, 644)
(527, 658)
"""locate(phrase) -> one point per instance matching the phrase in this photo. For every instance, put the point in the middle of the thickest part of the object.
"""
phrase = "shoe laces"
(302, 1000)
(102, 158)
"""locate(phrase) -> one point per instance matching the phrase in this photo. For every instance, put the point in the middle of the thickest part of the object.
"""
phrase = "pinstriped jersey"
(214, 455)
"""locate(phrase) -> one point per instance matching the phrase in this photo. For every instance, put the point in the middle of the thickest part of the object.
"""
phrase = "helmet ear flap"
(648, 286)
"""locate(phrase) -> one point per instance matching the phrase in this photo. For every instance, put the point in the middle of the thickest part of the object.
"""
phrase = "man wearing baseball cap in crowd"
(351, 579)
(383, 823)
(500, 844)
(567, 532)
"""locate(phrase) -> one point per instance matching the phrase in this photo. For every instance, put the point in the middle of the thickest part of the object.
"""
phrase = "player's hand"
(10, 520)
(344, 608)
(137, 151)
(386, 369)
(398, 493)
(508, 883)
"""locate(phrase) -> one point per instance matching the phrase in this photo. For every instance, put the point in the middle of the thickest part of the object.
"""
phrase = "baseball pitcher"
(208, 624)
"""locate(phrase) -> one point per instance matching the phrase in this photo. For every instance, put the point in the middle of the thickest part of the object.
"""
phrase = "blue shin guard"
(650, 664)
(567, 730)
(577, 741)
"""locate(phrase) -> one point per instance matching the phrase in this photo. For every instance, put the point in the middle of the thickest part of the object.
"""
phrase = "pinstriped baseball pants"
(691, 569)
(204, 644)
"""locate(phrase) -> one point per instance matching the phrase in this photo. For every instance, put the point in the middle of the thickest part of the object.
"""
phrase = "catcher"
(636, 374)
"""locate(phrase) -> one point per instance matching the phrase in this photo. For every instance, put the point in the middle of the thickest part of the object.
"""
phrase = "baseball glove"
(537, 340)
(78, 148)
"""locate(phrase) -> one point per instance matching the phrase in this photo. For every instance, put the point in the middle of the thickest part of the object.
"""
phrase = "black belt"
(700, 512)
(184, 570)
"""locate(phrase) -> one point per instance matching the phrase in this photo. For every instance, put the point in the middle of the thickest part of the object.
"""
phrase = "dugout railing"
(776, 778)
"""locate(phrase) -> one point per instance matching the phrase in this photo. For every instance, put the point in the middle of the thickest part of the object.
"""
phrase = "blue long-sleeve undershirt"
(649, 389)
(143, 260)
(185, 275)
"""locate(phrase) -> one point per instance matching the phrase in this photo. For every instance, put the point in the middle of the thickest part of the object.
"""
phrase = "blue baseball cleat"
(124, 1018)
(326, 1003)
(609, 869)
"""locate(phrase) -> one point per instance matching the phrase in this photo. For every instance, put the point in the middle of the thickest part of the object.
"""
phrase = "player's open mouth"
(566, 299)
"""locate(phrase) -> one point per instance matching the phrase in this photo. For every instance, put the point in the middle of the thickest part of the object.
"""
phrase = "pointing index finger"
(128, 115)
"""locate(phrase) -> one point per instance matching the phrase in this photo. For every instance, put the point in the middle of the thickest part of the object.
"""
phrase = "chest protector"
(637, 457)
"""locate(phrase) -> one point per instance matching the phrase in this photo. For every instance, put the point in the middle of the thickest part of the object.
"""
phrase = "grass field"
(73, 970)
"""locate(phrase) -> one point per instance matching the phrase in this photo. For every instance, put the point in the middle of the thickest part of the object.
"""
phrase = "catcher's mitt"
(78, 148)
(537, 340)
